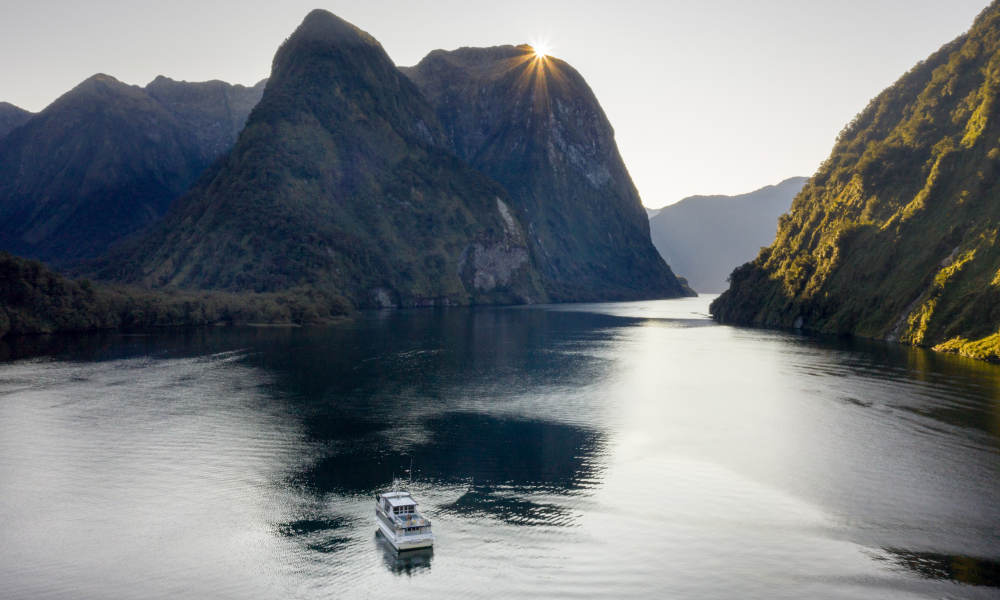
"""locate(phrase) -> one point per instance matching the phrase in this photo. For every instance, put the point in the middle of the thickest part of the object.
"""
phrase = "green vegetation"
(896, 235)
(987, 348)
(34, 299)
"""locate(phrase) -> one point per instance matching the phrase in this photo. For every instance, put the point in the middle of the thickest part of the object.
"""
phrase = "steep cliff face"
(896, 235)
(532, 124)
(10, 117)
(342, 181)
(106, 159)
(704, 238)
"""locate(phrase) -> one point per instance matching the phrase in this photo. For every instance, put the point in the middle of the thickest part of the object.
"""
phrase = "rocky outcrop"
(486, 268)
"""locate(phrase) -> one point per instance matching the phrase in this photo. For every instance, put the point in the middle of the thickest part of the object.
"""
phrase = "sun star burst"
(541, 49)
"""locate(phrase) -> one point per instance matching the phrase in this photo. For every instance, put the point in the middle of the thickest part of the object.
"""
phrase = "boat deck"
(411, 520)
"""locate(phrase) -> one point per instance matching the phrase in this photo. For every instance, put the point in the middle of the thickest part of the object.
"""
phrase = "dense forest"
(35, 299)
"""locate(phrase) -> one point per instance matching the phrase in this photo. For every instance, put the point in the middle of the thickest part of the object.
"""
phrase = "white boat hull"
(405, 542)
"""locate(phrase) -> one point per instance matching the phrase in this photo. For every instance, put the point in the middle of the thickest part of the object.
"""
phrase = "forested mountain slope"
(896, 235)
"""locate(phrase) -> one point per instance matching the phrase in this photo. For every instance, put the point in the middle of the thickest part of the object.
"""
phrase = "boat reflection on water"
(404, 562)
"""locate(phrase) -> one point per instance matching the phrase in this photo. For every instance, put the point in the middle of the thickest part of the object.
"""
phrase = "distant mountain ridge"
(703, 238)
(534, 125)
(107, 158)
(896, 235)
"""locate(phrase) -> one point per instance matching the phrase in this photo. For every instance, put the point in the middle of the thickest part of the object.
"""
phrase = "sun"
(541, 48)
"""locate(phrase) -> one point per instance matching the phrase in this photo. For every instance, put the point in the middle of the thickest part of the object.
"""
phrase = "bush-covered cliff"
(533, 124)
(896, 235)
(107, 158)
(342, 181)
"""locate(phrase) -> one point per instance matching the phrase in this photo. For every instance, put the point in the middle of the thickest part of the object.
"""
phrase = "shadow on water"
(394, 387)
(319, 534)
(373, 392)
(485, 501)
(406, 562)
(512, 453)
(960, 569)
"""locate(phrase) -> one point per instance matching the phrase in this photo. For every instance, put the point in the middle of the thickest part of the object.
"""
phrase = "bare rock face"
(532, 124)
(488, 267)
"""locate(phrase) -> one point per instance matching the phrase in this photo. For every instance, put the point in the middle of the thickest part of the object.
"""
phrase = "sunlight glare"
(541, 48)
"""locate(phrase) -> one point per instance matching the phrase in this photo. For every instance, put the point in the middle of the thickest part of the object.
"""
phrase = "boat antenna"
(411, 473)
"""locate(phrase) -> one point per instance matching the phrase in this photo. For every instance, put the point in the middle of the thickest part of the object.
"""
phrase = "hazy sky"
(705, 96)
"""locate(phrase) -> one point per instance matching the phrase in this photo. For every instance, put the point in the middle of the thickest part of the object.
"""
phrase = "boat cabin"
(398, 503)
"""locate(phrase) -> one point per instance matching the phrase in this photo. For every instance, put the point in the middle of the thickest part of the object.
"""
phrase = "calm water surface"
(613, 450)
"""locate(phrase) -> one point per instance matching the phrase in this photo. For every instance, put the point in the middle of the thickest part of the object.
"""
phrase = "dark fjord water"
(631, 450)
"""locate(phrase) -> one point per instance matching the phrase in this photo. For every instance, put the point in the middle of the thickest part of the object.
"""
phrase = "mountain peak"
(98, 89)
(324, 26)
(100, 84)
(12, 117)
(101, 79)
(7, 107)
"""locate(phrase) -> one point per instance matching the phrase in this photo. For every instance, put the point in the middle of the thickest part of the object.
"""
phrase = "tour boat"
(400, 523)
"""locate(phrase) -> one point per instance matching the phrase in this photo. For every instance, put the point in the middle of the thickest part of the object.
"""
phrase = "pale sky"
(706, 97)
